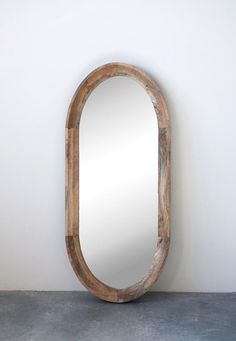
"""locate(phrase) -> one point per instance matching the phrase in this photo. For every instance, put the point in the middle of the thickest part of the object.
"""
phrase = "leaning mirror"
(117, 182)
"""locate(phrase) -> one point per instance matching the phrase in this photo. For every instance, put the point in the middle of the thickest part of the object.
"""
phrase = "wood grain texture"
(74, 251)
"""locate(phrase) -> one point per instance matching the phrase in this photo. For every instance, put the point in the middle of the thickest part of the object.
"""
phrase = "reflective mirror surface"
(118, 182)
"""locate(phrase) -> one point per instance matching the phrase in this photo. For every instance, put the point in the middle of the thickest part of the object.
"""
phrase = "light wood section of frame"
(77, 260)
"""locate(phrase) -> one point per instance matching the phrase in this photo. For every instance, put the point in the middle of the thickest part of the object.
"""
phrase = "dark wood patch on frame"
(74, 251)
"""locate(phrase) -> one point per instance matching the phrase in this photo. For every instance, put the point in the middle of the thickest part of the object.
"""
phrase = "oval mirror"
(118, 165)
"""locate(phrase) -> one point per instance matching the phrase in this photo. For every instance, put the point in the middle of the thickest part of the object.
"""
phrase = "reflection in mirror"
(118, 182)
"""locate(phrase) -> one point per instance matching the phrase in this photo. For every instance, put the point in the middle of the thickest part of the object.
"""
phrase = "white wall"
(47, 47)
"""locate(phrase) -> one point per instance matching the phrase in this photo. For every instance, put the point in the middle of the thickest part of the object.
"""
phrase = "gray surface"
(79, 316)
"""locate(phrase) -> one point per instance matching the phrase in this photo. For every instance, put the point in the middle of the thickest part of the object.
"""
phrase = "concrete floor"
(66, 316)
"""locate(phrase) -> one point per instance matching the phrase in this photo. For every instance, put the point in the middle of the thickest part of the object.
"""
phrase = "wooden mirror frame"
(75, 254)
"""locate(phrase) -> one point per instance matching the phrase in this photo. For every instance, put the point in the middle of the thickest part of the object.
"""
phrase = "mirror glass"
(118, 182)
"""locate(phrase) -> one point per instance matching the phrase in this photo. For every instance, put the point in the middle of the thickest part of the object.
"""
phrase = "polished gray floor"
(68, 316)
